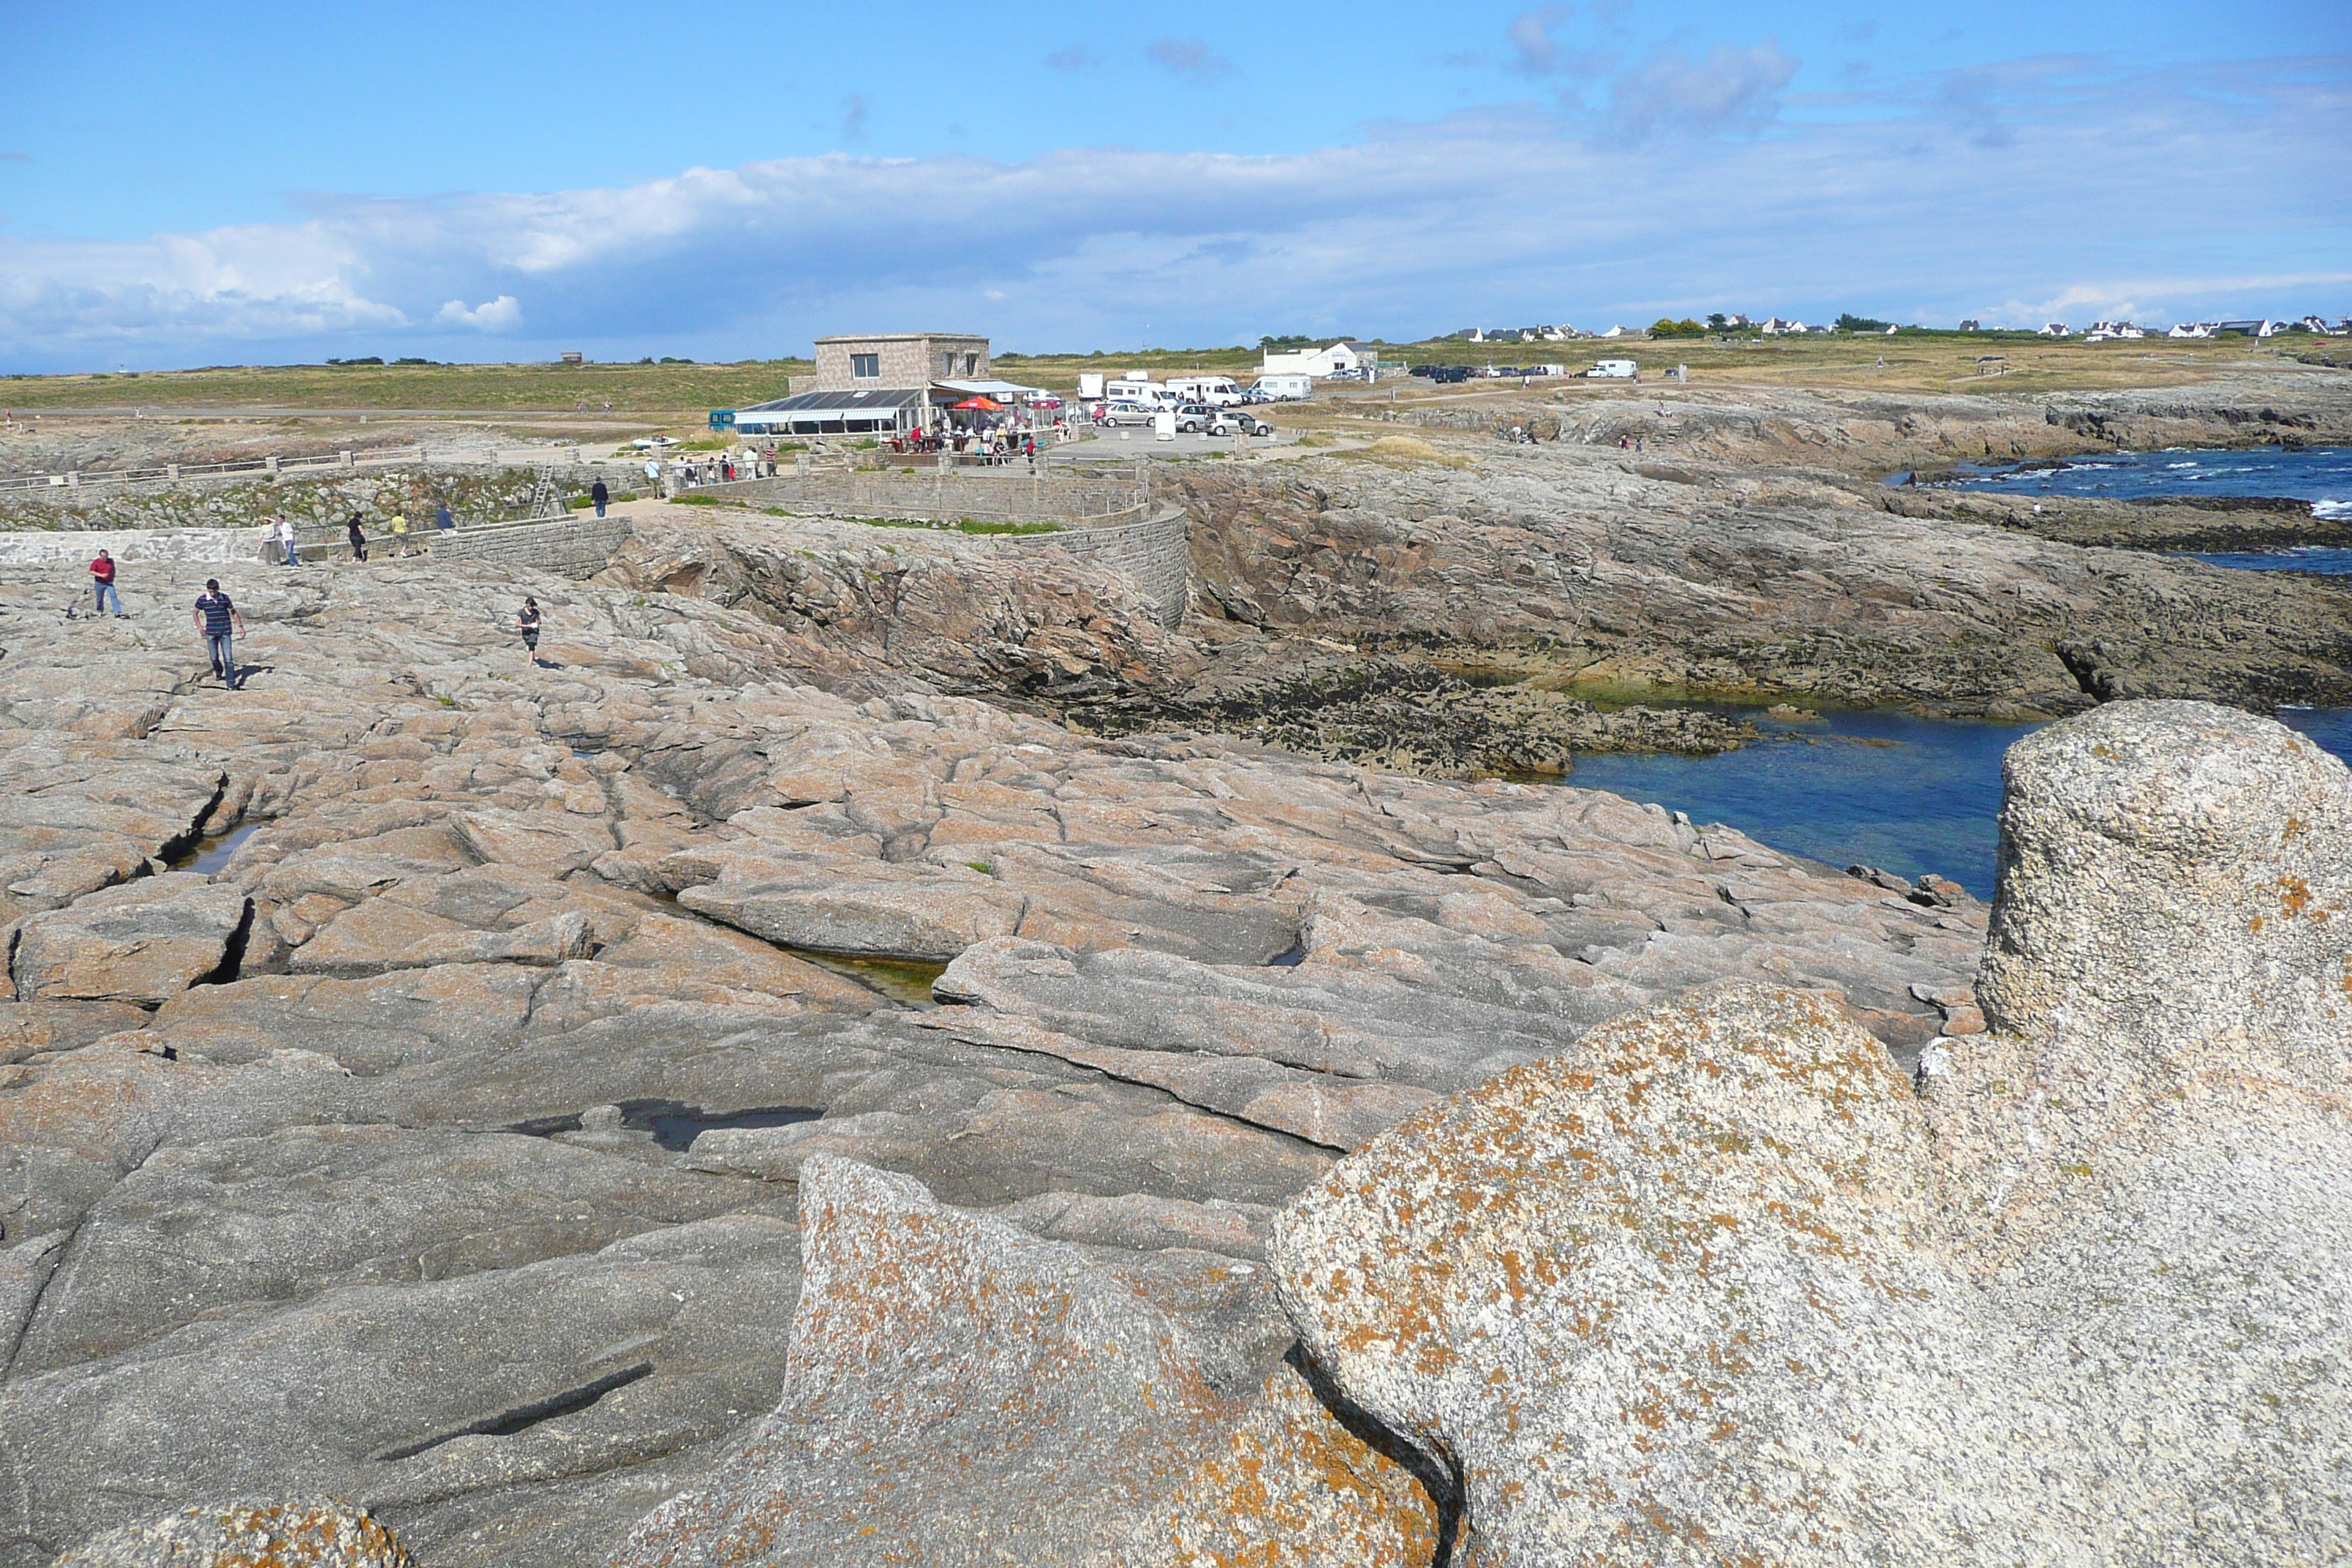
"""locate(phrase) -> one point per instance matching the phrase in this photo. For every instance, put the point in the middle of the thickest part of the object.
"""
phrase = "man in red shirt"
(101, 571)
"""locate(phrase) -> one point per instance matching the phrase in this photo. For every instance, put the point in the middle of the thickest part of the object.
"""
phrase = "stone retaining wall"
(568, 547)
(209, 546)
(1156, 552)
(315, 500)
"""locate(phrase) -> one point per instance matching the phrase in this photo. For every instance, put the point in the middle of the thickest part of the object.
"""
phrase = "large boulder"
(1716, 1284)
(961, 1391)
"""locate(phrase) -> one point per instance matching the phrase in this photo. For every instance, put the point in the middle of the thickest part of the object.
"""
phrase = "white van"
(1090, 384)
(1285, 388)
(1216, 391)
(1615, 369)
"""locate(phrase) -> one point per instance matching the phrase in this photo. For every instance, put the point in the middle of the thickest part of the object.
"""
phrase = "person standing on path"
(216, 615)
(400, 533)
(442, 521)
(286, 539)
(600, 495)
(358, 536)
(101, 576)
(526, 623)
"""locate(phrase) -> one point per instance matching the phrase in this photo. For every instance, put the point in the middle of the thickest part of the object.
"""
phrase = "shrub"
(1667, 327)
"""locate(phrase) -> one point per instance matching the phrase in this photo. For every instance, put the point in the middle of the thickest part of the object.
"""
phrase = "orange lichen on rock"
(326, 1534)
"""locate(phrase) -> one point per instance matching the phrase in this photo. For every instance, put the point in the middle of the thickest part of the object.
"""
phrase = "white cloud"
(1730, 90)
(491, 316)
(1427, 227)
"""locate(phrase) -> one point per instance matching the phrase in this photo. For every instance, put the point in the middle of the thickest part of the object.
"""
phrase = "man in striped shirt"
(216, 615)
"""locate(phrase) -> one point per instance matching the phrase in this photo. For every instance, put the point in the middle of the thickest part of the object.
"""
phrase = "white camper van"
(1147, 393)
(1285, 388)
(1216, 391)
(1614, 369)
(1090, 385)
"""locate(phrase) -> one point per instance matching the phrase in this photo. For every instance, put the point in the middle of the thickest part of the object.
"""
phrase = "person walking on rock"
(442, 521)
(101, 576)
(216, 617)
(358, 536)
(600, 495)
(526, 623)
(286, 539)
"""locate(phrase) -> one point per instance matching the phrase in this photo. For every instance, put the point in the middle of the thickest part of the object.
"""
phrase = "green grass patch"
(968, 526)
(699, 500)
(982, 866)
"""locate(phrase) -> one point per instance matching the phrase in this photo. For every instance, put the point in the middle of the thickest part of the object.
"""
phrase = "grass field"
(655, 390)
(678, 394)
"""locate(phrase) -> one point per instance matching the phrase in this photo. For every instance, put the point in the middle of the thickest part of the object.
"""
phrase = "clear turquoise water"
(1905, 793)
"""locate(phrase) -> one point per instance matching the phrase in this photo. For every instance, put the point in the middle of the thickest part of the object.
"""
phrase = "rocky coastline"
(753, 1085)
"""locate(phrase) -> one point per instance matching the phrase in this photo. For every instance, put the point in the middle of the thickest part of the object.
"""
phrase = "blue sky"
(256, 182)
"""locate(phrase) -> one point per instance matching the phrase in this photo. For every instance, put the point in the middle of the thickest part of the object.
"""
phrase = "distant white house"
(2316, 324)
(2055, 330)
(2191, 329)
(2261, 329)
(1329, 360)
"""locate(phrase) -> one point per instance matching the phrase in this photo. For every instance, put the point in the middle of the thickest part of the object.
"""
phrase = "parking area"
(1127, 441)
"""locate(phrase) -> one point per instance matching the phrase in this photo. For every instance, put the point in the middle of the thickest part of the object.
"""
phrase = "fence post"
(73, 479)
(172, 472)
(269, 464)
(346, 460)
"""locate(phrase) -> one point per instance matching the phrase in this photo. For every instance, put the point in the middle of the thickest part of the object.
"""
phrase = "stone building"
(897, 361)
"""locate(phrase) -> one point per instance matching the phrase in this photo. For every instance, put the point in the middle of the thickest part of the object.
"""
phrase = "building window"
(971, 364)
(866, 367)
(947, 364)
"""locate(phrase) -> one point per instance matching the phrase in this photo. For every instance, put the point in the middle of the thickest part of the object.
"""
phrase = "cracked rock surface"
(410, 1064)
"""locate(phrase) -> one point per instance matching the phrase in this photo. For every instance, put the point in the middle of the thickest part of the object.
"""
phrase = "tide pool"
(1887, 789)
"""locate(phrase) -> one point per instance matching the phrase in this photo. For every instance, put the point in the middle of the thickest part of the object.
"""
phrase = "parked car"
(654, 443)
(1117, 413)
(1201, 418)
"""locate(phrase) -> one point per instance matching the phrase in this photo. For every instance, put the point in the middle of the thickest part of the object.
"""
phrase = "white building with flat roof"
(1330, 360)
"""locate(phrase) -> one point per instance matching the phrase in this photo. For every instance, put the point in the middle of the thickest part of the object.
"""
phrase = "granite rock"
(325, 1534)
(957, 1391)
(140, 943)
(1715, 1283)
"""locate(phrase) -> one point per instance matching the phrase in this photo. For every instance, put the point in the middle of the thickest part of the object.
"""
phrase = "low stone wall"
(1156, 552)
(316, 500)
(569, 547)
(208, 546)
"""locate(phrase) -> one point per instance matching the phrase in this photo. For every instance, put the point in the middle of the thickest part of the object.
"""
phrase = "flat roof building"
(875, 362)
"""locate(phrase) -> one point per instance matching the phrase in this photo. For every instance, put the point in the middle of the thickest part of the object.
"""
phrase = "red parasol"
(980, 405)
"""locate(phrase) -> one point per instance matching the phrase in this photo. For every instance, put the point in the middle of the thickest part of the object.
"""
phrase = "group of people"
(216, 617)
(355, 533)
(992, 446)
(218, 621)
